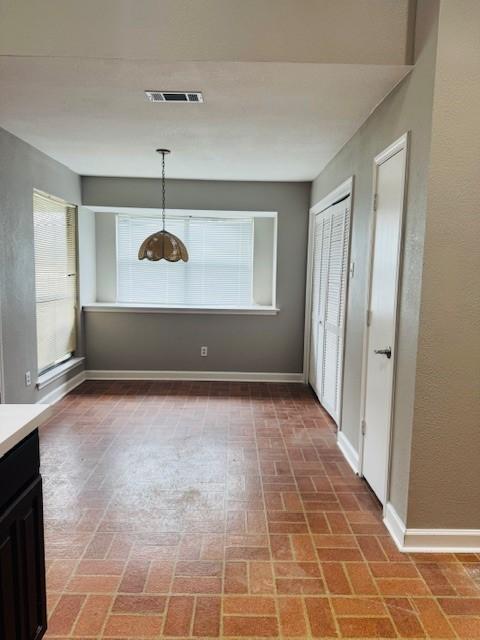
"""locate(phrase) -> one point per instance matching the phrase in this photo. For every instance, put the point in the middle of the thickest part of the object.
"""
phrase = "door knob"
(384, 352)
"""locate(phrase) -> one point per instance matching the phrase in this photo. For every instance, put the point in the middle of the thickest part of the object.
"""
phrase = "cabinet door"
(22, 568)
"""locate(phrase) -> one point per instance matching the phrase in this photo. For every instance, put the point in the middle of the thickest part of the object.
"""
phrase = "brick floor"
(206, 510)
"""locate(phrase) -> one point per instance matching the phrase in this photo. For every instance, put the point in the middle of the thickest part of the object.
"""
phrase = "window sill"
(57, 372)
(122, 307)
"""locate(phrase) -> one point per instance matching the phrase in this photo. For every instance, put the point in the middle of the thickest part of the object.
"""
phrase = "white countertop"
(17, 421)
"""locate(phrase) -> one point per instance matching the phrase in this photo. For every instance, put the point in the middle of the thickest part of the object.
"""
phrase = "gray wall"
(445, 464)
(132, 341)
(407, 108)
(22, 169)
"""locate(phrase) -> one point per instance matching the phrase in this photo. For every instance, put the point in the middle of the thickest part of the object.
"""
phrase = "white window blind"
(219, 271)
(55, 279)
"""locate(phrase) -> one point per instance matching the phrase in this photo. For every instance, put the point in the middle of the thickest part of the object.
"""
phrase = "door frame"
(400, 144)
(345, 189)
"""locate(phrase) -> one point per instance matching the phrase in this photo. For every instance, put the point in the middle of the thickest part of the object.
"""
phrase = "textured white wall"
(445, 462)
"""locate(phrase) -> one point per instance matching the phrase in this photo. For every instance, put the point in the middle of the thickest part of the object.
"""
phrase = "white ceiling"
(268, 120)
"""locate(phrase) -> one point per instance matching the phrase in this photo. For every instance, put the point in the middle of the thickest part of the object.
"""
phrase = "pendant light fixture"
(163, 244)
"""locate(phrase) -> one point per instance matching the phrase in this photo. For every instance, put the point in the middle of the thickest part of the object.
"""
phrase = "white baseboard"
(348, 451)
(59, 392)
(430, 540)
(395, 525)
(213, 376)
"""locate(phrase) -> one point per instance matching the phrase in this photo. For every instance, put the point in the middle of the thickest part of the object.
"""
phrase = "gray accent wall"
(407, 108)
(23, 169)
(236, 343)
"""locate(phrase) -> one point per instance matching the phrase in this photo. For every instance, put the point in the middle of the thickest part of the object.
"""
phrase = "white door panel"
(390, 180)
(329, 284)
(317, 267)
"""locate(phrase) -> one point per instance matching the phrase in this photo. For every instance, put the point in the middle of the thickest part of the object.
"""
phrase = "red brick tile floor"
(206, 510)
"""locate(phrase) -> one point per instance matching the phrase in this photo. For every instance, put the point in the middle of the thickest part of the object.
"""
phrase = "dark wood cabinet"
(23, 613)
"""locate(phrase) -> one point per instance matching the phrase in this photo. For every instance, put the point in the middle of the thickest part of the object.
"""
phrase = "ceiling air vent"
(174, 96)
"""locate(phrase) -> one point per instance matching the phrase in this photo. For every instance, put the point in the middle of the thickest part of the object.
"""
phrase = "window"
(219, 271)
(231, 269)
(55, 279)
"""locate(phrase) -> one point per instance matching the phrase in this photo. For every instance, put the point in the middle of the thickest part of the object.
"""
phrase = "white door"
(319, 286)
(380, 340)
(335, 309)
(317, 260)
(329, 285)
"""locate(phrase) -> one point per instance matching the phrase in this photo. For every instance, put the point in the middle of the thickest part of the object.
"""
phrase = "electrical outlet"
(28, 378)
(203, 351)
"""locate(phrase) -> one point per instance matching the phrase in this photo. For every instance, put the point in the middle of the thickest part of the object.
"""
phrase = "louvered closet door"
(316, 339)
(322, 299)
(330, 266)
(335, 309)
(319, 290)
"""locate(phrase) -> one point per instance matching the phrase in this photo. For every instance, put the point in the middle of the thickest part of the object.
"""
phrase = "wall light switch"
(28, 378)
(204, 351)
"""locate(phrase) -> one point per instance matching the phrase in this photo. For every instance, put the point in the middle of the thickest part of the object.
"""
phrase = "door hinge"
(364, 427)
(369, 318)
(375, 200)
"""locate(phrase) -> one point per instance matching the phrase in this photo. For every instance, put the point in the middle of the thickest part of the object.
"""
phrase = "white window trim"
(123, 307)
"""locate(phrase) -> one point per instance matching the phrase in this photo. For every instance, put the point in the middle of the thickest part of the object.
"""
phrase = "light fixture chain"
(163, 245)
(163, 189)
